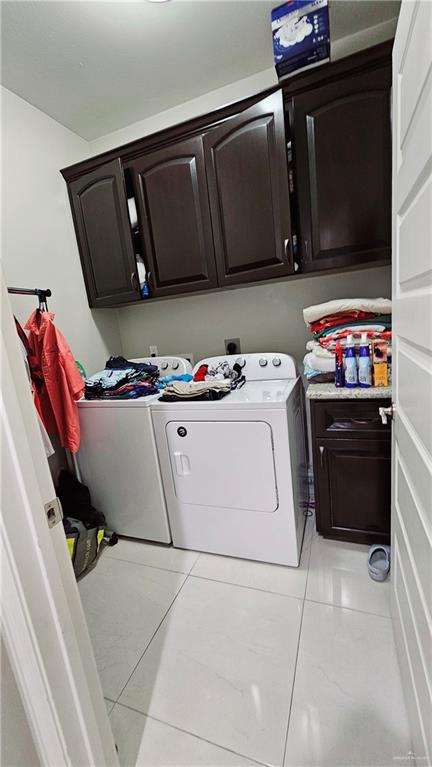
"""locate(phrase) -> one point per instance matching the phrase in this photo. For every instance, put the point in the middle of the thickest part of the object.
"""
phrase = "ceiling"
(97, 66)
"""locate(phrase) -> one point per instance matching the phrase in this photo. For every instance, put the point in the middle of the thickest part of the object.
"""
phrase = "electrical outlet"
(232, 346)
(153, 351)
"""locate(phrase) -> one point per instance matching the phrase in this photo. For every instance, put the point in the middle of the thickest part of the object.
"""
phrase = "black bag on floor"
(84, 526)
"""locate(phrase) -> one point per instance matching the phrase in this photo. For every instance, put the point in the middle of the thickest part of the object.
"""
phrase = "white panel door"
(223, 464)
(412, 362)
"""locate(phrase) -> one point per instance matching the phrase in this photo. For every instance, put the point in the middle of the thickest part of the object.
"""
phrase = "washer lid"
(254, 394)
(268, 366)
(140, 402)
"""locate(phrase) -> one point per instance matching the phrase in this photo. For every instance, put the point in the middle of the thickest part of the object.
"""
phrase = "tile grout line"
(293, 684)
(344, 607)
(242, 586)
(297, 653)
(152, 567)
(193, 734)
(150, 640)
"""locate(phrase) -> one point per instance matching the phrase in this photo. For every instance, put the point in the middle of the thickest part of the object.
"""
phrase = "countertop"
(330, 391)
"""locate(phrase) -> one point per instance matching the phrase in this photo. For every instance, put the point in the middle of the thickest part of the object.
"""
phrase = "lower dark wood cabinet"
(352, 470)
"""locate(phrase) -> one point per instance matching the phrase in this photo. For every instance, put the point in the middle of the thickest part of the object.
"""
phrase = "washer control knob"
(263, 362)
(164, 365)
(240, 361)
(175, 365)
(276, 362)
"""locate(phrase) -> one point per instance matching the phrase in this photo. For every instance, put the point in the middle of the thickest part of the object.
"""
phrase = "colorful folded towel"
(370, 305)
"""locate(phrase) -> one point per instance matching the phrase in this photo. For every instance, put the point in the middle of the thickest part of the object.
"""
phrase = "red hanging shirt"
(62, 381)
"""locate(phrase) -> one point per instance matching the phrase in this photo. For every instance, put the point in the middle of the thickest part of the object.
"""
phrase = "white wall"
(38, 240)
(208, 102)
(266, 317)
(236, 91)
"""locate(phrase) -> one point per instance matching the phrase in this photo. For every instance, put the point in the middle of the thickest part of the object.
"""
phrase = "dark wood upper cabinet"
(174, 217)
(342, 149)
(216, 206)
(101, 219)
(247, 176)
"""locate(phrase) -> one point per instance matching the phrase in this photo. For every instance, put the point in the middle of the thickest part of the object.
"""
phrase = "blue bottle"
(365, 364)
(351, 379)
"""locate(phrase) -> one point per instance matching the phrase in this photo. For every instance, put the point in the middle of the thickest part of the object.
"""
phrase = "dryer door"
(224, 464)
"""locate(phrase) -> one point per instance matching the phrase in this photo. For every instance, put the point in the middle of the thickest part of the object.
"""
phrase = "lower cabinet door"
(352, 486)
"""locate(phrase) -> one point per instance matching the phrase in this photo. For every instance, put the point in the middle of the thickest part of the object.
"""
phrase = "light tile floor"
(213, 661)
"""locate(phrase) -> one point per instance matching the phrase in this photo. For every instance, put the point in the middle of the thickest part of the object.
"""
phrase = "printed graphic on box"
(301, 35)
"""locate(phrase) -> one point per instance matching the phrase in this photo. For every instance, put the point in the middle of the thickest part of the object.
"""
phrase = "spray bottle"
(365, 364)
(351, 379)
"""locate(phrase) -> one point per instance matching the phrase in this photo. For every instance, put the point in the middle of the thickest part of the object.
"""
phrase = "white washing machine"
(118, 460)
(235, 470)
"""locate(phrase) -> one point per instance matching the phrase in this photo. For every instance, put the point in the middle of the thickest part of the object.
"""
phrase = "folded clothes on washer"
(220, 372)
(132, 390)
(120, 363)
(139, 377)
(163, 382)
(179, 391)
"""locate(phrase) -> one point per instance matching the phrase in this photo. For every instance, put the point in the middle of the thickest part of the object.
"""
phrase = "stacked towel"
(333, 321)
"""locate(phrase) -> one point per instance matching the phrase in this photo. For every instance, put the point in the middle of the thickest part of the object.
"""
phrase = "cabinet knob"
(134, 281)
(321, 449)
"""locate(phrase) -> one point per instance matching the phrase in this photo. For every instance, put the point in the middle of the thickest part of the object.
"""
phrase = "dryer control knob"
(263, 362)
(240, 361)
(164, 365)
(175, 365)
(276, 362)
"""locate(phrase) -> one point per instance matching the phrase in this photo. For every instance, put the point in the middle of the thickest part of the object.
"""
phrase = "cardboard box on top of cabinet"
(301, 35)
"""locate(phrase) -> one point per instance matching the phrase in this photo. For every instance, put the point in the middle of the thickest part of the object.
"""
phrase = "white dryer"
(235, 470)
(118, 460)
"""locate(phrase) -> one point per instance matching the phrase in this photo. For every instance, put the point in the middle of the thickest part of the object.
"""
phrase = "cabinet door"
(342, 147)
(174, 217)
(246, 166)
(99, 209)
(352, 485)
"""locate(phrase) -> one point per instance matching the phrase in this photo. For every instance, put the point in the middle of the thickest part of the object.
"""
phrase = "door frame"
(43, 624)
